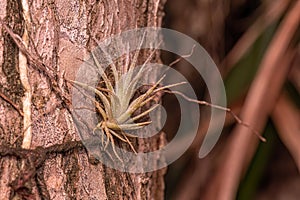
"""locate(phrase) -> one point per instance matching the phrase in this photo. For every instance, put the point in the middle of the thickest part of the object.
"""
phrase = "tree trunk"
(31, 114)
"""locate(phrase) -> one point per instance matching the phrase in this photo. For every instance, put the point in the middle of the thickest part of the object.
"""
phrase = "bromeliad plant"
(117, 105)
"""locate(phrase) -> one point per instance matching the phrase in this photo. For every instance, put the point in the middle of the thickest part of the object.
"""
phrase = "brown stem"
(286, 118)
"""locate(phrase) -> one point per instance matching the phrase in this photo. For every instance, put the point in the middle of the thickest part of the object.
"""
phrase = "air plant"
(117, 105)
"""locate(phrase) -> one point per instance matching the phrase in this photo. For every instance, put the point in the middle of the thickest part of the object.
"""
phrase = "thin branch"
(181, 57)
(8, 100)
(228, 110)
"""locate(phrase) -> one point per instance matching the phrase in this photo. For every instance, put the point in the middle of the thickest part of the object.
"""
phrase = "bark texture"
(62, 31)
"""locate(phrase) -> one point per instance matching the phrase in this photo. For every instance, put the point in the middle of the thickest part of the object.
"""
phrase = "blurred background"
(255, 44)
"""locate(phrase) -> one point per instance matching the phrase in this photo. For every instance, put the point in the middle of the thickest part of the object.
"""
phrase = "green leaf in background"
(240, 77)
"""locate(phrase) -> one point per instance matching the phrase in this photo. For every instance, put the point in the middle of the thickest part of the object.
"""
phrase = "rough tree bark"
(61, 31)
